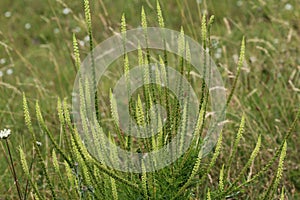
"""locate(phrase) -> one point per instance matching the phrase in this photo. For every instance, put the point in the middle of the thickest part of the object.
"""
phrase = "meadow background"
(36, 57)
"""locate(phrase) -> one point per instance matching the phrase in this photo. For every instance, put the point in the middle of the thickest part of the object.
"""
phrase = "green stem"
(27, 182)
(14, 171)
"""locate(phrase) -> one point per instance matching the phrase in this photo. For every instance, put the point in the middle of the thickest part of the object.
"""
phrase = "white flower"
(77, 29)
(288, 6)
(218, 55)
(1, 73)
(235, 57)
(239, 3)
(27, 26)
(153, 67)
(2, 61)
(4, 133)
(7, 14)
(86, 38)
(56, 30)
(81, 43)
(66, 11)
(253, 59)
(9, 72)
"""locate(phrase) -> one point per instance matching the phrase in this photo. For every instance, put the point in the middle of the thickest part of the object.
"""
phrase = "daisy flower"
(4, 133)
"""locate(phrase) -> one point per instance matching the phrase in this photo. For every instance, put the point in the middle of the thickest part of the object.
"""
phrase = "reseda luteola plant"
(76, 174)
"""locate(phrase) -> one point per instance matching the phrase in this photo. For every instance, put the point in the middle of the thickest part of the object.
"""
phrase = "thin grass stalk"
(28, 181)
(282, 194)
(13, 171)
(144, 180)
(88, 20)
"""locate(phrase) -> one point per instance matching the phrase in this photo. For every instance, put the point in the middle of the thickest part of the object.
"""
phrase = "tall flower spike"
(113, 107)
(88, 20)
(144, 19)
(76, 52)
(140, 112)
(146, 72)
(114, 188)
(188, 54)
(26, 114)
(181, 43)
(87, 13)
(123, 25)
(183, 127)
(280, 168)
(126, 69)
(256, 150)
(208, 195)
(60, 112)
(221, 179)
(123, 31)
(242, 53)
(217, 151)
(204, 31)
(158, 78)
(23, 162)
(140, 55)
(55, 161)
(163, 70)
(159, 15)
(211, 20)
(69, 174)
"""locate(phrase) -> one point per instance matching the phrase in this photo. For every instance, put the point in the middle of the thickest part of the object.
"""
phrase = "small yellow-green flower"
(4, 134)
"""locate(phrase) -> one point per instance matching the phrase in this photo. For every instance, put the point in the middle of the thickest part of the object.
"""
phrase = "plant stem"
(27, 182)
(14, 171)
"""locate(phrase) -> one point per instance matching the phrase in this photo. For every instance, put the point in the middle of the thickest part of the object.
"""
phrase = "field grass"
(36, 57)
